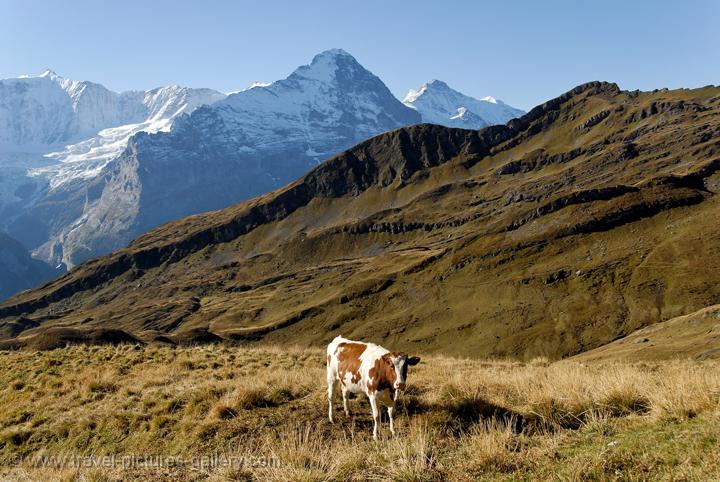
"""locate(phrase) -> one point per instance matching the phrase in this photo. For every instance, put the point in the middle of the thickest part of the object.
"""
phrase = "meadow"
(221, 412)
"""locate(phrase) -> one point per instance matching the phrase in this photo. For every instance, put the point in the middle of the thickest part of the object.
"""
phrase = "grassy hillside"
(696, 335)
(460, 420)
(590, 217)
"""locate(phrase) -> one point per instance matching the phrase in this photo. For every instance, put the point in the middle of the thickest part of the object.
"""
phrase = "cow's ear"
(413, 360)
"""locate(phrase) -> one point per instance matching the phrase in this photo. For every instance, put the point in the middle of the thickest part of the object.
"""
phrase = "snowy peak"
(434, 86)
(332, 94)
(336, 52)
(333, 56)
(326, 65)
(438, 103)
(49, 73)
(37, 112)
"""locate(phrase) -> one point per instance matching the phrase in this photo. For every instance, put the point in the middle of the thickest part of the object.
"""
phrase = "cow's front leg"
(375, 414)
(391, 410)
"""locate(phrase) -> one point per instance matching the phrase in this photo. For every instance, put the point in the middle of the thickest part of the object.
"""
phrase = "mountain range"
(589, 217)
(86, 170)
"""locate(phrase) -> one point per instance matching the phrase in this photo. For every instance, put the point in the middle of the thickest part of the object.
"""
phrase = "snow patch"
(77, 127)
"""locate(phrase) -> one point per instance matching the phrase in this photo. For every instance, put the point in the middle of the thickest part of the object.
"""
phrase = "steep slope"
(437, 103)
(18, 271)
(245, 145)
(589, 217)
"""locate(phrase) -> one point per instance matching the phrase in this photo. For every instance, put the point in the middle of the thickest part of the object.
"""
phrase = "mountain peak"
(437, 84)
(434, 85)
(334, 53)
(51, 74)
(438, 103)
(326, 64)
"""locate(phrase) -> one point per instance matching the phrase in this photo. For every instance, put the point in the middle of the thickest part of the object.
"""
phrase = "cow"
(370, 369)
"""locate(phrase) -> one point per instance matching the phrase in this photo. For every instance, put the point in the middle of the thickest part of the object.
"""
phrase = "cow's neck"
(387, 373)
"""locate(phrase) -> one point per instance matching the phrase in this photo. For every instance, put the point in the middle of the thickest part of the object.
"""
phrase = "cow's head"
(401, 362)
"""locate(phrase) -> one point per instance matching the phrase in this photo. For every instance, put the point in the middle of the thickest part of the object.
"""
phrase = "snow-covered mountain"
(331, 102)
(437, 103)
(57, 135)
(154, 110)
(85, 170)
(73, 128)
(49, 110)
(251, 142)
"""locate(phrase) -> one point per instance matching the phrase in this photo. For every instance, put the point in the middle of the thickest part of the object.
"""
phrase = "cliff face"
(590, 216)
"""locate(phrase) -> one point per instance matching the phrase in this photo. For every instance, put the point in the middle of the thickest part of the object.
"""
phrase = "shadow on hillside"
(60, 337)
(459, 414)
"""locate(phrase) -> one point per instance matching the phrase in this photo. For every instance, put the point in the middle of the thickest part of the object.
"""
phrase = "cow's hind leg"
(330, 392)
(345, 399)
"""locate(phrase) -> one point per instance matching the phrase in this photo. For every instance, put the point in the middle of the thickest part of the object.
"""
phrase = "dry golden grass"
(460, 420)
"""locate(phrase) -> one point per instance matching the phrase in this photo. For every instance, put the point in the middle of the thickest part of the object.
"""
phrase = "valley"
(588, 218)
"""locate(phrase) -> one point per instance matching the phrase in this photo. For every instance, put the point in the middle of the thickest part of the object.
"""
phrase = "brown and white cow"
(370, 369)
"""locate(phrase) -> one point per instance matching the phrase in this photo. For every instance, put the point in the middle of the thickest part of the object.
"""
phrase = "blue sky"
(523, 52)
